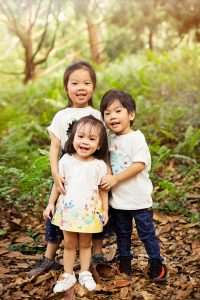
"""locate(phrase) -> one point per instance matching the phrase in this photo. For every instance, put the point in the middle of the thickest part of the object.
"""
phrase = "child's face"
(117, 118)
(80, 88)
(86, 141)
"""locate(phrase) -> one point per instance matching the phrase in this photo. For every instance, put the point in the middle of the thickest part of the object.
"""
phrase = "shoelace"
(41, 262)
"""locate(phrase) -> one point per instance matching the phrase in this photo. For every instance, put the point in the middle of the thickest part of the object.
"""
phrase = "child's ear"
(132, 115)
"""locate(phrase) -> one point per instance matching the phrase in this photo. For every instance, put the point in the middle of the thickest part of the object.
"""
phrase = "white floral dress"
(80, 210)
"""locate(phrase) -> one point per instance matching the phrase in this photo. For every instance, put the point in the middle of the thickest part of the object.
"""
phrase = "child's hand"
(59, 184)
(107, 182)
(105, 217)
(49, 211)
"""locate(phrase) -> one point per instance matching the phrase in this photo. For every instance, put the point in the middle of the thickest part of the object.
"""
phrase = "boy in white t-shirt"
(130, 184)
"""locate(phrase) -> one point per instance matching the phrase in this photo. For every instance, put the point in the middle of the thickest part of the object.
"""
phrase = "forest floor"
(22, 244)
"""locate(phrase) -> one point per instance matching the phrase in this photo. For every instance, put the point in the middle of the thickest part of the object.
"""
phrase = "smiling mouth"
(84, 148)
(81, 95)
(115, 124)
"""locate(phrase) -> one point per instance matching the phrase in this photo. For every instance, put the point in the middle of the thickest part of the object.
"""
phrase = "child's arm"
(109, 181)
(104, 199)
(50, 209)
(54, 157)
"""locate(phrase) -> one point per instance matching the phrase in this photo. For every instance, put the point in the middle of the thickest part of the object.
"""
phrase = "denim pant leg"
(146, 231)
(123, 227)
(53, 233)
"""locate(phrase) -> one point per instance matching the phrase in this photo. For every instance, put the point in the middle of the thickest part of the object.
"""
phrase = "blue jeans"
(145, 229)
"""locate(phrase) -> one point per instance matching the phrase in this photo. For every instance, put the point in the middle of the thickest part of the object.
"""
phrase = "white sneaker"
(86, 279)
(65, 283)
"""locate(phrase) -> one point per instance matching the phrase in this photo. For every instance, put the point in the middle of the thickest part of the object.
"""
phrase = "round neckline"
(75, 108)
(129, 133)
(83, 161)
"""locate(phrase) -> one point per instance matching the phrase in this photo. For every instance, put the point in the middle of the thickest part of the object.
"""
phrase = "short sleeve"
(141, 151)
(54, 127)
(102, 170)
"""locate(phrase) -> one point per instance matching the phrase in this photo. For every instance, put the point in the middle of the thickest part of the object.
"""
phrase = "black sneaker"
(98, 259)
(157, 271)
(44, 265)
(124, 265)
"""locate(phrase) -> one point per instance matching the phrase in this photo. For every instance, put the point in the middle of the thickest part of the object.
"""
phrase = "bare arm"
(54, 157)
(109, 181)
(50, 209)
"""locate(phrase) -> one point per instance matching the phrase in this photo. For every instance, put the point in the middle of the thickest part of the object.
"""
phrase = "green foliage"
(166, 89)
(25, 249)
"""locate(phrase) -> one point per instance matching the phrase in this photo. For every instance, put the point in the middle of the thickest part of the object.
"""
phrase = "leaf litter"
(22, 242)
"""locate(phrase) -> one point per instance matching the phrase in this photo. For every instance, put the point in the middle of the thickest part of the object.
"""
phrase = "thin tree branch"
(12, 73)
(13, 23)
(36, 14)
(44, 32)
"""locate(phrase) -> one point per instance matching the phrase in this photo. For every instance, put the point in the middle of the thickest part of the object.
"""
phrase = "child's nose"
(85, 141)
(81, 86)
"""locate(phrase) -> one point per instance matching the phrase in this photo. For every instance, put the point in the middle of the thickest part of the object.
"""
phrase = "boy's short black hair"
(102, 152)
(124, 98)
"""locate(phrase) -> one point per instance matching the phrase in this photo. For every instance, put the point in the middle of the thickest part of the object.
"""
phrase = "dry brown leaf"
(196, 246)
(123, 293)
(183, 294)
(164, 229)
(80, 290)
(119, 283)
(24, 239)
(146, 295)
(159, 217)
(43, 277)
(12, 254)
(112, 252)
(3, 251)
(4, 270)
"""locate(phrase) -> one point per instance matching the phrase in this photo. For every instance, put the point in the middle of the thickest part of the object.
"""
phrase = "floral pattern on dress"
(82, 213)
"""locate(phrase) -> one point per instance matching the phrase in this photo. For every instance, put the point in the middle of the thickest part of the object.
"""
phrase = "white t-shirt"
(80, 210)
(62, 121)
(134, 193)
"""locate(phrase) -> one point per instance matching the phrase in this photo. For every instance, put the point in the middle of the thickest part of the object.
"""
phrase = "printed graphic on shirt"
(119, 161)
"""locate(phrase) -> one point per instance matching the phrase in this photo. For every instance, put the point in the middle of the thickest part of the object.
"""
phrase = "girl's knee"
(85, 241)
(70, 244)
(70, 241)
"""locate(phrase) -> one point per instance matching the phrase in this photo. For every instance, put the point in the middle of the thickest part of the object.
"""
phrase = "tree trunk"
(94, 40)
(29, 64)
(150, 39)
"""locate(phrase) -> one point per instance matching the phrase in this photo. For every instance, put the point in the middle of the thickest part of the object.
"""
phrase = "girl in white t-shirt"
(79, 84)
(83, 209)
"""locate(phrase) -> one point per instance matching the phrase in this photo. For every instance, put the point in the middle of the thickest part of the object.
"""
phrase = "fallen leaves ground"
(22, 237)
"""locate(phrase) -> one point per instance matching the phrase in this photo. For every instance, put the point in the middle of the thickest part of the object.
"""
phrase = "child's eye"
(74, 83)
(106, 114)
(80, 136)
(118, 111)
(87, 83)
